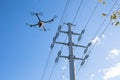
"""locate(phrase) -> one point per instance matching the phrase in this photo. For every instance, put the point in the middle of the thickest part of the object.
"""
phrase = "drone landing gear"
(44, 29)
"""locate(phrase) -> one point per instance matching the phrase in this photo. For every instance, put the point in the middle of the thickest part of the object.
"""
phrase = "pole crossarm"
(78, 58)
(71, 44)
(68, 57)
(66, 32)
(61, 43)
(69, 24)
(76, 33)
(64, 57)
(80, 46)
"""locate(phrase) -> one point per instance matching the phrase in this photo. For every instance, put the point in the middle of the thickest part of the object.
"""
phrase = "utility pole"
(70, 45)
(71, 55)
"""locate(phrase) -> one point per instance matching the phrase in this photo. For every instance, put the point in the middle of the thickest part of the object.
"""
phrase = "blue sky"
(24, 51)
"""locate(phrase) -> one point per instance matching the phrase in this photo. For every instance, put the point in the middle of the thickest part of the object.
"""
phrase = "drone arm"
(32, 25)
(49, 21)
(38, 17)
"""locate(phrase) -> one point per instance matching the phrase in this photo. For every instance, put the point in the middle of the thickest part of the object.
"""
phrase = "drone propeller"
(28, 24)
(55, 17)
(33, 13)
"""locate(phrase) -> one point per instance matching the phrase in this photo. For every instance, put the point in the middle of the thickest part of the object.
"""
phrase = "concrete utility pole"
(70, 45)
(71, 55)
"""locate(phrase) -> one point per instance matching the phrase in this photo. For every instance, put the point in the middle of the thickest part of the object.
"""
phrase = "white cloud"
(99, 70)
(96, 40)
(112, 72)
(103, 36)
(113, 53)
(63, 77)
(92, 76)
(65, 65)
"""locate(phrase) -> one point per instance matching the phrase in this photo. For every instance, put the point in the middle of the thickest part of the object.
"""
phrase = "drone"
(40, 23)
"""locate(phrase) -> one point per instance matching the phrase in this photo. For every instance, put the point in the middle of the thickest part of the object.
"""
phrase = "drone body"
(41, 23)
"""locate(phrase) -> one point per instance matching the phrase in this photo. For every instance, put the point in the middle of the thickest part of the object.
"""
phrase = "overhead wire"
(86, 25)
(101, 27)
(91, 15)
(63, 15)
(64, 11)
(89, 21)
(104, 28)
(73, 21)
(66, 65)
(46, 65)
(48, 58)
(77, 11)
(52, 72)
(61, 20)
(103, 23)
(105, 19)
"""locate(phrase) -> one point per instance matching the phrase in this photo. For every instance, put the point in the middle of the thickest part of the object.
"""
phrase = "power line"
(88, 21)
(91, 15)
(101, 27)
(73, 21)
(64, 11)
(48, 58)
(77, 11)
(85, 27)
(105, 19)
(63, 15)
(52, 72)
(89, 18)
(66, 65)
(46, 65)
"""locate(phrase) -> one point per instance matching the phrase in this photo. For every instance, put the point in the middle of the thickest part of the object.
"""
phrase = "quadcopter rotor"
(33, 13)
(55, 17)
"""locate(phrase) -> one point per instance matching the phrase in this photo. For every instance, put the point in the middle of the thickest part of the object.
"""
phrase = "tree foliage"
(102, 1)
(114, 17)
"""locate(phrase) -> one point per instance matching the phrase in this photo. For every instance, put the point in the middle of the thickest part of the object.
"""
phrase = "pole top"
(69, 24)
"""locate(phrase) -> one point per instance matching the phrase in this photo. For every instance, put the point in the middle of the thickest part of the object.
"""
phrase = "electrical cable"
(89, 20)
(91, 15)
(73, 21)
(52, 71)
(46, 65)
(103, 23)
(63, 14)
(77, 11)
(85, 27)
(61, 21)
(48, 58)
(105, 19)
(66, 65)
(64, 11)
(101, 26)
